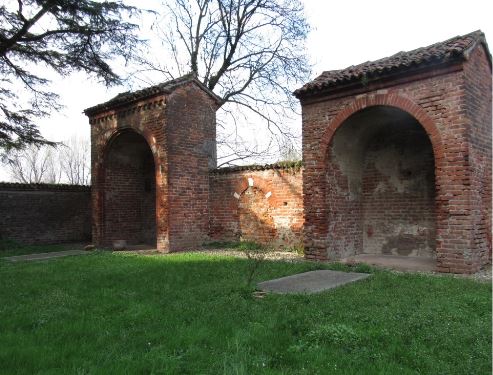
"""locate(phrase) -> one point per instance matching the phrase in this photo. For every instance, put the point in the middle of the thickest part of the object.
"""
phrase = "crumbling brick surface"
(453, 105)
(191, 149)
(477, 102)
(257, 205)
(178, 127)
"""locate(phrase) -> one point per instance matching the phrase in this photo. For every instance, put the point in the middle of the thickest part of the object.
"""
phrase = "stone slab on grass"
(310, 282)
(45, 256)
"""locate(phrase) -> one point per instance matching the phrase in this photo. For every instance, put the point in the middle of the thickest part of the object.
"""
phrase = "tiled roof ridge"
(259, 167)
(452, 49)
(160, 88)
(16, 186)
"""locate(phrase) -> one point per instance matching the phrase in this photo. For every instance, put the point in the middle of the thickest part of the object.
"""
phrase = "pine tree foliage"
(39, 37)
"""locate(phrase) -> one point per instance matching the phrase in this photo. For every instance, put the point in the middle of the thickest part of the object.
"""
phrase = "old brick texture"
(452, 104)
(130, 194)
(396, 162)
(265, 206)
(478, 123)
(159, 171)
(45, 214)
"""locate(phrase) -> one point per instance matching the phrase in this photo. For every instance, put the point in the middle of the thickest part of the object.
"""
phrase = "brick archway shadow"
(408, 106)
(103, 154)
(390, 100)
(111, 137)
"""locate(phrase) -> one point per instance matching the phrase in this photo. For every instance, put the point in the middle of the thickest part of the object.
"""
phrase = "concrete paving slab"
(310, 282)
(45, 256)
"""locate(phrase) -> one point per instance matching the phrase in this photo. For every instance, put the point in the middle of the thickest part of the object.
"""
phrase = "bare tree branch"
(249, 52)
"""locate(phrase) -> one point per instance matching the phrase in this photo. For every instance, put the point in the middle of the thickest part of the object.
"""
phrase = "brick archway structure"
(129, 174)
(446, 87)
(177, 121)
(390, 100)
(375, 196)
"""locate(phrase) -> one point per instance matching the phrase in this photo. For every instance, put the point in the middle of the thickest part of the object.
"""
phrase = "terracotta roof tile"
(256, 167)
(161, 88)
(450, 50)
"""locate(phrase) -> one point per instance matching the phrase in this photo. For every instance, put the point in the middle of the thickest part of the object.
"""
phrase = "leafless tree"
(69, 163)
(288, 151)
(54, 170)
(75, 161)
(33, 165)
(249, 52)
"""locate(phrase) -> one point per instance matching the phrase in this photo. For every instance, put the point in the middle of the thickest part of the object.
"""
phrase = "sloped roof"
(258, 167)
(454, 49)
(161, 88)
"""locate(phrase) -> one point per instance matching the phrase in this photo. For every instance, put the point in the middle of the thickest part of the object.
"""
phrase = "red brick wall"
(145, 118)
(45, 214)
(179, 129)
(398, 193)
(130, 197)
(478, 88)
(265, 206)
(191, 147)
(437, 100)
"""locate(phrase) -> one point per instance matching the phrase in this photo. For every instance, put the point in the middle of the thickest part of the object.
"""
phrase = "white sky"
(344, 33)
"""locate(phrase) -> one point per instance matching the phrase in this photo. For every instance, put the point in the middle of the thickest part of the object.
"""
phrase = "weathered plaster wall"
(398, 205)
(258, 205)
(380, 180)
(45, 214)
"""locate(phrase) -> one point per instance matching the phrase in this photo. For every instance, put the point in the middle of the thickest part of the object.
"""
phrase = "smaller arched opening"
(129, 204)
(255, 218)
(381, 186)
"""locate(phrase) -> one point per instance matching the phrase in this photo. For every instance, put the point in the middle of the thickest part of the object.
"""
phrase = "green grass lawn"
(113, 313)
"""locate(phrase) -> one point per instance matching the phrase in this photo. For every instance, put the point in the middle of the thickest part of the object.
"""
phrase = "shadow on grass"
(12, 248)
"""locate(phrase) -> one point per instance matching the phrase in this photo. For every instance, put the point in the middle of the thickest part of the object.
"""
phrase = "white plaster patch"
(250, 181)
(268, 194)
(236, 195)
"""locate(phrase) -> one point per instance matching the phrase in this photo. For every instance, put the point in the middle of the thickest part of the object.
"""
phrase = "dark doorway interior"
(130, 191)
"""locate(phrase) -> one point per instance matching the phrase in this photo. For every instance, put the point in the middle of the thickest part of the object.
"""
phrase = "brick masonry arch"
(258, 183)
(177, 121)
(408, 106)
(102, 138)
(111, 136)
(391, 100)
(109, 141)
(371, 222)
(436, 110)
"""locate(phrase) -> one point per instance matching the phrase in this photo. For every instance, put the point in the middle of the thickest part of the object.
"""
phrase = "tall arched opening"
(380, 178)
(129, 201)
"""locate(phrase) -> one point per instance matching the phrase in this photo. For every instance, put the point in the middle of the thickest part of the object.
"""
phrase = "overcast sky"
(344, 33)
